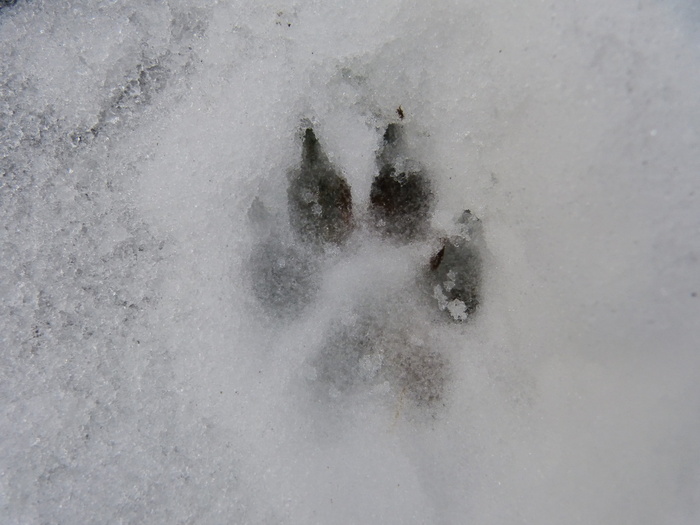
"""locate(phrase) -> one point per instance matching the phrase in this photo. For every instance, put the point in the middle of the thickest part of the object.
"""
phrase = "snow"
(141, 378)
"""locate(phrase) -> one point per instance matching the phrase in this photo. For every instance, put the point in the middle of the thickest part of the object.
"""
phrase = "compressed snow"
(143, 381)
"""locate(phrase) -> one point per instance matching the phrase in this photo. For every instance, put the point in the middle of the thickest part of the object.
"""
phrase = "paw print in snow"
(381, 344)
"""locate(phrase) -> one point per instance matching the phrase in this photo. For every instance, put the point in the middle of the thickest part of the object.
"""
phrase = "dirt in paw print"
(399, 280)
(401, 199)
(320, 202)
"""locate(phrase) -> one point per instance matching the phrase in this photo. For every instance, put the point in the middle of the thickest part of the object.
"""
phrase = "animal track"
(376, 349)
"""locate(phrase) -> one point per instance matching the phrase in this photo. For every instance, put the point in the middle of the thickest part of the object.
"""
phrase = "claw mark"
(436, 259)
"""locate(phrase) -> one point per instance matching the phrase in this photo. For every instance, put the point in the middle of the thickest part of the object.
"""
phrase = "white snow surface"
(142, 382)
